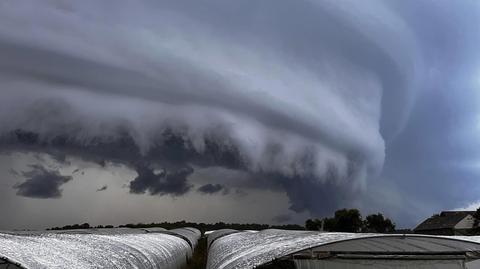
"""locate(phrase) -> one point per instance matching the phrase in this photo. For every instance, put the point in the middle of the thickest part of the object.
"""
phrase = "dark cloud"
(170, 112)
(173, 149)
(172, 157)
(213, 189)
(284, 218)
(103, 188)
(13, 172)
(319, 198)
(41, 182)
(271, 128)
(175, 153)
(161, 182)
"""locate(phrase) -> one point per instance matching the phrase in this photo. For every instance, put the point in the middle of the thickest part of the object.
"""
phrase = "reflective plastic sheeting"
(475, 239)
(249, 249)
(67, 250)
(154, 230)
(214, 235)
(191, 234)
(246, 250)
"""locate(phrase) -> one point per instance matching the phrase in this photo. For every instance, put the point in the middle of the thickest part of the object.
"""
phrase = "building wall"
(466, 223)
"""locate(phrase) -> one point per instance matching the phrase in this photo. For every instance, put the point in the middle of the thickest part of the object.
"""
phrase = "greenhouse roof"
(103, 248)
(249, 250)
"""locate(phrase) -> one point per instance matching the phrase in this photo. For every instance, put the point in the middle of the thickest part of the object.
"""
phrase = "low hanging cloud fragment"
(173, 183)
(103, 188)
(41, 182)
(165, 86)
(213, 189)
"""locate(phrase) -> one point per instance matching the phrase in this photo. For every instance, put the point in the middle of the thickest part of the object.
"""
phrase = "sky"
(125, 111)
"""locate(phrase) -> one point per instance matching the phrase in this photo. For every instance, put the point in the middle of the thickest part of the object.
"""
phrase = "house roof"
(444, 220)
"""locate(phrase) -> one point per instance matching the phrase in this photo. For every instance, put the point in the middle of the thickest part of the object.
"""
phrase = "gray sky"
(141, 111)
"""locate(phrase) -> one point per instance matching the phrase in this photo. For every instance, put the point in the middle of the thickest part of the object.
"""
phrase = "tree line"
(344, 220)
(350, 220)
(180, 224)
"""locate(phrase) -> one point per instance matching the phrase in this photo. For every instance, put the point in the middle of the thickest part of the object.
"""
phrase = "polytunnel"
(190, 234)
(102, 248)
(316, 250)
(214, 235)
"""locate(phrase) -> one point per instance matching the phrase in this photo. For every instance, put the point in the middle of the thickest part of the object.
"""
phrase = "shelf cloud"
(302, 93)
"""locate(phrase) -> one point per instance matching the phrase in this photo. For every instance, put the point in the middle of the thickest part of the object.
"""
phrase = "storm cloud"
(212, 189)
(161, 182)
(206, 90)
(41, 182)
(299, 95)
(103, 188)
(282, 218)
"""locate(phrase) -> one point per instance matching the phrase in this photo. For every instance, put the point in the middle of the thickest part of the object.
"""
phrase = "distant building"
(448, 223)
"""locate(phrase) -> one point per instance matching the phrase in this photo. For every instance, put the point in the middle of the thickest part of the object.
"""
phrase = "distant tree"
(313, 224)
(345, 220)
(288, 227)
(348, 220)
(330, 224)
(377, 223)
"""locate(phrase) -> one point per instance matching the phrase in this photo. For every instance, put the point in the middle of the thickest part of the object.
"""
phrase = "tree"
(313, 224)
(329, 224)
(345, 220)
(378, 223)
(348, 220)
